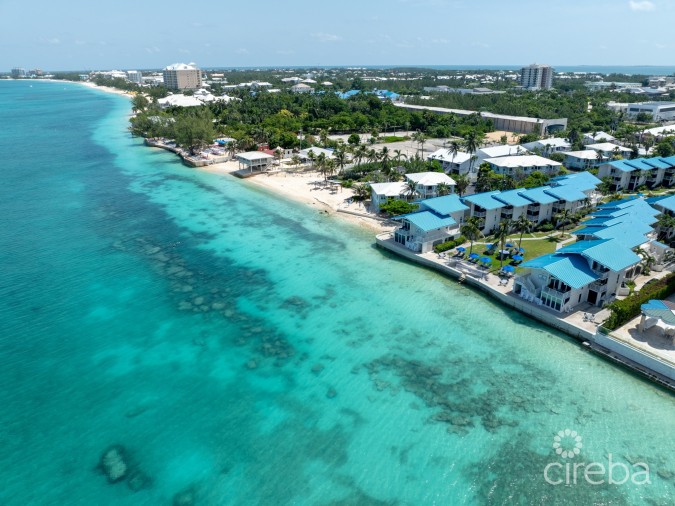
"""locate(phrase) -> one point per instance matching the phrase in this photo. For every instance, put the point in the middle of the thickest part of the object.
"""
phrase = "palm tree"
(562, 218)
(420, 139)
(311, 157)
(502, 234)
(340, 158)
(295, 160)
(471, 230)
(385, 156)
(361, 192)
(471, 143)
(523, 225)
(321, 162)
(372, 156)
(461, 183)
(409, 189)
(453, 150)
(665, 225)
(360, 152)
(443, 189)
(398, 155)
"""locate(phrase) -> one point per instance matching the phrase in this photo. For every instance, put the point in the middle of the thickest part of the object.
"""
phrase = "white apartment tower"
(181, 76)
(536, 77)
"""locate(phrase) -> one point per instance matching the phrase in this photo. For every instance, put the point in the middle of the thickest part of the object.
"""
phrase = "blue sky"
(77, 34)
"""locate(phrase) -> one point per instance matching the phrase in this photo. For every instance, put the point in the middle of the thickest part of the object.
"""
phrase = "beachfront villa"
(583, 160)
(632, 174)
(452, 163)
(380, 193)
(595, 137)
(438, 220)
(499, 151)
(546, 147)
(523, 164)
(609, 150)
(665, 205)
(425, 183)
(594, 269)
(305, 156)
(254, 161)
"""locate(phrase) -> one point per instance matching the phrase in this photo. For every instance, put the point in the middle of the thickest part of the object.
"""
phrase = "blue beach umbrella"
(521, 250)
(509, 245)
(461, 248)
(486, 260)
(474, 255)
(489, 246)
(508, 268)
(517, 258)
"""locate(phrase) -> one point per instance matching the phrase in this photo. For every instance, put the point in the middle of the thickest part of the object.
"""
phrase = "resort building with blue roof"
(572, 192)
(438, 220)
(629, 175)
(594, 269)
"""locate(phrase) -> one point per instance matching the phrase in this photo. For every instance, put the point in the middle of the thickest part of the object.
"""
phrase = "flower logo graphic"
(567, 443)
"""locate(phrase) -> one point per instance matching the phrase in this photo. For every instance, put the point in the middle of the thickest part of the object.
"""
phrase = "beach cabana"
(662, 314)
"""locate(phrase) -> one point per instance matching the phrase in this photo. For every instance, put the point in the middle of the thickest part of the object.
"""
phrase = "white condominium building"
(181, 76)
(536, 77)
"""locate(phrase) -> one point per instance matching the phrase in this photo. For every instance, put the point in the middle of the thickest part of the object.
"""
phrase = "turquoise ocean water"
(250, 350)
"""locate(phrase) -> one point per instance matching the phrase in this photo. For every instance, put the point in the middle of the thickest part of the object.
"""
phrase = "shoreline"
(306, 188)
(647, 366)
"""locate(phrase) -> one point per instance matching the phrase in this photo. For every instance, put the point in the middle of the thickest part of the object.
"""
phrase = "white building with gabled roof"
(452, 163)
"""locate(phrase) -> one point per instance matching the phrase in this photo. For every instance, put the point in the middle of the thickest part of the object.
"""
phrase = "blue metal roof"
(568, 193)
(485, 200)
(622, 166)
(658, 163)
(513, 198)
(616, 203)
(624, 233)
(667, 203)
(428, 220)
(640, 163)
(444, 205)
(572, 270)
(669, 160)
(539, 195)
(581, 180)
(607, 252)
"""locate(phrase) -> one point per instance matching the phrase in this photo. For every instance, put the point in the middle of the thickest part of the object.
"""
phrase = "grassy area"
(392, 138)
(533, 249)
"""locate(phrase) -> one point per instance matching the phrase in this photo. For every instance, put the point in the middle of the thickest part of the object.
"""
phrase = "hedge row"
(628, 308)
(445, 246)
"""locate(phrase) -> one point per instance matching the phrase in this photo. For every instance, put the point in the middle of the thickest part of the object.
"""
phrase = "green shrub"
(448, 245)
(545, 226)
(628, 308)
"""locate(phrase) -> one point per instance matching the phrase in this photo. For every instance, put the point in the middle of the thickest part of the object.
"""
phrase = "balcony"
(557, 294)
(480, 214)
(507, 214)
(599, 284)
(602, 273)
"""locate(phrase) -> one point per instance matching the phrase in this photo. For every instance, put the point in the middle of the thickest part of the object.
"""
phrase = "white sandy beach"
(309, 188)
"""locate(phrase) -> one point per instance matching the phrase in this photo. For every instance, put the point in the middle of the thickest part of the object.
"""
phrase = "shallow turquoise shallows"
(243, 349)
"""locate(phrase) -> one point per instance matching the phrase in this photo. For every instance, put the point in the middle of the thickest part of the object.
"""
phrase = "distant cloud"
(242, 50)
(285, 51)
(152, 50)
(54, 41)
(184, 51)
(325, 37)
(642, 5)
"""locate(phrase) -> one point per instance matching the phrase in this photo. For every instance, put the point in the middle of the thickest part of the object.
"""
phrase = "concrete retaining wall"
(628, 356)
(649, 362)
